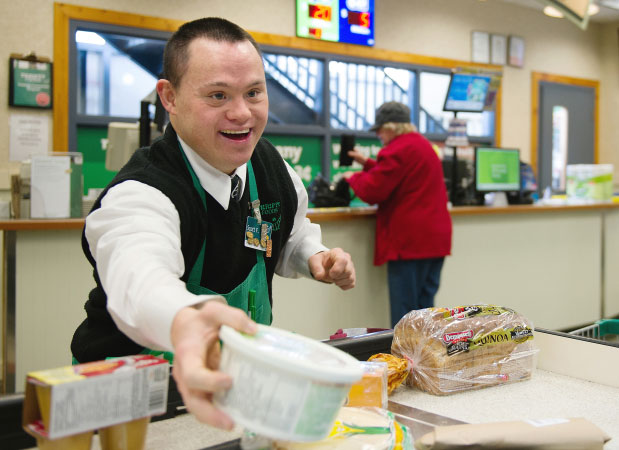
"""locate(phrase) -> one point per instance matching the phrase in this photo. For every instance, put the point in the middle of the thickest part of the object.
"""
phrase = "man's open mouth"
(235, 135)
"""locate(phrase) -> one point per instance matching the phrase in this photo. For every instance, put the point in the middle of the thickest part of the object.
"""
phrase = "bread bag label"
(465, 312)
(464, 341)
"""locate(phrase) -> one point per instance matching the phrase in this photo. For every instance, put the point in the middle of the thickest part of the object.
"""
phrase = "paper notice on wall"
(50, 187)
(28, 136)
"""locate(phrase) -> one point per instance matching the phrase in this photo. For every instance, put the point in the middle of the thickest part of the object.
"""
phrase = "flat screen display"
(467, 92)
(347, 21)
(497, 169)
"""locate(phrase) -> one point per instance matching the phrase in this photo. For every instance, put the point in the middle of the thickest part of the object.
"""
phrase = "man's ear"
(167, 94)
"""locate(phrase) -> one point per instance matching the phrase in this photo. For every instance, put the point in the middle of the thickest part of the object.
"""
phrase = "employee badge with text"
(258, 235)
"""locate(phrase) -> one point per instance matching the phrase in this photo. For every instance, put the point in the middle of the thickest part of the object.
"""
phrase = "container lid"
(294, 353)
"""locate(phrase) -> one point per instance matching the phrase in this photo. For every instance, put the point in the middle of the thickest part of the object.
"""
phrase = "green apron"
(237, 297)
(256, 280)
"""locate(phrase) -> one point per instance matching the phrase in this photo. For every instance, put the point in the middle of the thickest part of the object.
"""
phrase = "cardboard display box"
(78, 399)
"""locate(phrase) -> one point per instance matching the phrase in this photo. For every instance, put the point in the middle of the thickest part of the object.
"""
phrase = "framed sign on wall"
(516, 51)
(480, 47)
(498, 49)
(30, 81)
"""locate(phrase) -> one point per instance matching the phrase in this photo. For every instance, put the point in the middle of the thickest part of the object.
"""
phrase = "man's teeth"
(235, 132)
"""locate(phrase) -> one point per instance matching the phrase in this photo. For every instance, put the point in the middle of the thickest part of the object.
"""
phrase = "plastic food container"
(285, 386)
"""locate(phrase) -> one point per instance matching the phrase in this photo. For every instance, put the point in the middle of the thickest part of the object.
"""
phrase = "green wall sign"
(302, 153)
(30, 83)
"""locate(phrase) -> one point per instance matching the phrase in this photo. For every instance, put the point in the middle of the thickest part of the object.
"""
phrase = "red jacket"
(406, 181)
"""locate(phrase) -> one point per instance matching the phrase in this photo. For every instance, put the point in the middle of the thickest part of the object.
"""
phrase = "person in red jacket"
(413, 224)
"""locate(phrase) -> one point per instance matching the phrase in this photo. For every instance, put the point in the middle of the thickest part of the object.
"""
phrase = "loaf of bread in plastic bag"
(464, 348)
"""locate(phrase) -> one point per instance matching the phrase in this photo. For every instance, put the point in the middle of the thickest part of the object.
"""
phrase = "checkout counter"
(575, 377)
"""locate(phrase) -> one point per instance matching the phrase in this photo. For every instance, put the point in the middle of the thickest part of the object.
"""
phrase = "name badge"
(258, 235)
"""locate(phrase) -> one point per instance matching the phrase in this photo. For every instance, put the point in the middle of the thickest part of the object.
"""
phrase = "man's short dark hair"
(175, 55)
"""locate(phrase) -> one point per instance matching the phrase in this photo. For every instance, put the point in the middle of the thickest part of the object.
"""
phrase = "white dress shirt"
(135, 239)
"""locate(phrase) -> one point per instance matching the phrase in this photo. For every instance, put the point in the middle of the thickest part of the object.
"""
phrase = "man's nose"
(238, 110)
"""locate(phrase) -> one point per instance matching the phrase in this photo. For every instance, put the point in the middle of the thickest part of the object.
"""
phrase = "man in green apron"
(193, 223)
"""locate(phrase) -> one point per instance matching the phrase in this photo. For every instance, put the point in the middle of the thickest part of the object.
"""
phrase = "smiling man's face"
(220, 107)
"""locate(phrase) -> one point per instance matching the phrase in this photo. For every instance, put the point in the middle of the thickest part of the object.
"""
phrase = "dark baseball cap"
(391, 112)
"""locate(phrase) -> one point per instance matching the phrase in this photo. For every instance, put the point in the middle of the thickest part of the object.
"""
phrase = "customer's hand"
(358, 156)
(195, 338)
(333, 266)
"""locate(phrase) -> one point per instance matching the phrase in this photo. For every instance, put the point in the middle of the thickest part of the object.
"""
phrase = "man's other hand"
(333, 266)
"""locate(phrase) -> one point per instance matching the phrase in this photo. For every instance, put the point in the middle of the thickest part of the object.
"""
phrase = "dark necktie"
(236, 191)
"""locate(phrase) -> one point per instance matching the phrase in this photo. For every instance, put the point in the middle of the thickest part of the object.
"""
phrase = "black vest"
(227, 261)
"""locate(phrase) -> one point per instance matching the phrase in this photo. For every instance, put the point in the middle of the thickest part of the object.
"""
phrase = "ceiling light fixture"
(552, 12)
(593, 9)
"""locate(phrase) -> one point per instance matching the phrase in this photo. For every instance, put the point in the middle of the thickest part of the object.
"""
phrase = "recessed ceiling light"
(552, 12)
(593, 9)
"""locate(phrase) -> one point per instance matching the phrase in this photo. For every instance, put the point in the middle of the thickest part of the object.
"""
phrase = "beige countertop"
(330, 214)
(546, 395)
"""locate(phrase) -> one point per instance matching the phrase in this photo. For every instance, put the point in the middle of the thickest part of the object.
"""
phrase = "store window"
(312, 95)
(356, 90)
(115, 72)
(295, 85)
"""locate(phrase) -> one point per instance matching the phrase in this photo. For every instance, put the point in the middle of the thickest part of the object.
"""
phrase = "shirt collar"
(214, 181)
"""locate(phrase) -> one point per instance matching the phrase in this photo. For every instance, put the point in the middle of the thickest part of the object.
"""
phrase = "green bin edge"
(608, 326)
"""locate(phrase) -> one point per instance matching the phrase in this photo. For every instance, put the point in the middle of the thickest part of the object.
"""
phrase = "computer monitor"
(123, 141)
(467, 92)
(497, 169)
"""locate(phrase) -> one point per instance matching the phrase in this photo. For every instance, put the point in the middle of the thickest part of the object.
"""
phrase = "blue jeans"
(413, 283)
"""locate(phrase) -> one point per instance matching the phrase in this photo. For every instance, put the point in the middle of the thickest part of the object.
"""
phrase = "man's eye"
(253, 93)
(218, 96)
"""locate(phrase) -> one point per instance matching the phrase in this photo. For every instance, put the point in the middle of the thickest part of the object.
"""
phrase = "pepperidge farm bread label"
(466, 340)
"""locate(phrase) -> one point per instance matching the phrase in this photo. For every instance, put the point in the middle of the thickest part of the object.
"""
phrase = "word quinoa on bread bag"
(464, 348)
